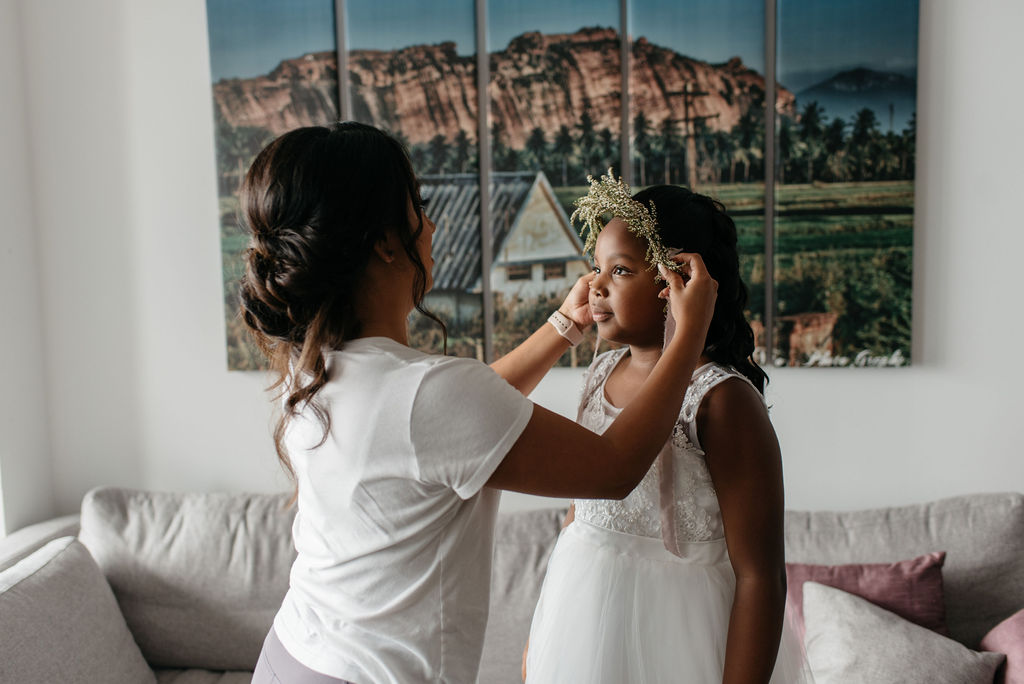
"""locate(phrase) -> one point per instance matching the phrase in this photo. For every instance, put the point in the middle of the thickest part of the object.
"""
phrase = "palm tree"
(460, 151)
(810, 134)
(236, 148)
(749, 134)
(725, 147)
(563, 148)
(642, 143)
(786, 146)
(740, 155)
(587, 139)
(668, 141)
(605, 146)
(834, 139)
(438, 153)
(890, 158)
(908, 148)
(503, 158)
(865, 130)
(537, 146)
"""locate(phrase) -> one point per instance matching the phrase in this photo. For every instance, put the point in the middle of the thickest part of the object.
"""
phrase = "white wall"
(25, 471)
(125, 215)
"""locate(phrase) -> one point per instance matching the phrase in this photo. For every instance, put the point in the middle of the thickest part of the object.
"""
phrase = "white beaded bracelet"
(566, 328)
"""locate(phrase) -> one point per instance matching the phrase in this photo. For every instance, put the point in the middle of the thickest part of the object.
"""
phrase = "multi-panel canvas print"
(819, 180)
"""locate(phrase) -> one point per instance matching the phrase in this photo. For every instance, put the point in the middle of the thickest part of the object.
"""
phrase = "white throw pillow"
(59, 622)
(850, 640)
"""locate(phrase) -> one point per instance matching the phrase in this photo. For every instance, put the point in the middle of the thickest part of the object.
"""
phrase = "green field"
(842, 248)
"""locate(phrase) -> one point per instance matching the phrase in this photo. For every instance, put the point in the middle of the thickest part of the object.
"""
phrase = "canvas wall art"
(697, 114)
(844, 194)
(274, 67)
(810, 146)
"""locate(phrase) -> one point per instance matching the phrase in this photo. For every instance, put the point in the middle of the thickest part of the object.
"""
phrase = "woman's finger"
(672, 278)
(692, 262)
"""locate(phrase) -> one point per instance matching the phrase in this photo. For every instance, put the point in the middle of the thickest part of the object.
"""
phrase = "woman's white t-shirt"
(394, 530)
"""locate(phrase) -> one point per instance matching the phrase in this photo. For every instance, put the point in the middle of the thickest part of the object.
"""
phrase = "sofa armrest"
(25, 541)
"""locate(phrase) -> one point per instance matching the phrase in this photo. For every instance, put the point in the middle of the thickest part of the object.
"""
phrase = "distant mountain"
(844, 94)
(544, 80)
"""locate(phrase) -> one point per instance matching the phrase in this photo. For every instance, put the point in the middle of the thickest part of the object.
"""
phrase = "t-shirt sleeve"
(465, 418)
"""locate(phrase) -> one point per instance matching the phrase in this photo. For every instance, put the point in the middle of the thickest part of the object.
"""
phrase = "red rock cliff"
(544, 80)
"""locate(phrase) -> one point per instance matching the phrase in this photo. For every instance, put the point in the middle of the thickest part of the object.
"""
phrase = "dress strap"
(597, 373)
(703, 383)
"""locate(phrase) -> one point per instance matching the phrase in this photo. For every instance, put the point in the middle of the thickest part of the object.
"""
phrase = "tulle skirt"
(617, 607)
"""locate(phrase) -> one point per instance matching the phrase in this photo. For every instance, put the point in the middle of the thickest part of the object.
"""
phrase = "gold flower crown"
(609, 196)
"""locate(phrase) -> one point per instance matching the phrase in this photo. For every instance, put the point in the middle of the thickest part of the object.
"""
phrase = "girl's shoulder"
(705, 379)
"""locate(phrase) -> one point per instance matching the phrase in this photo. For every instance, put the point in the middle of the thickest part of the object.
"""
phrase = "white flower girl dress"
(617, 605)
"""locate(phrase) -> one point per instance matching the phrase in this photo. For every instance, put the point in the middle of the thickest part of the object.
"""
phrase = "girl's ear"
(385, 249)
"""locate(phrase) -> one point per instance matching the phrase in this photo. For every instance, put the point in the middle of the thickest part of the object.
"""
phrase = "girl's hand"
(691, 293)
(577, 303)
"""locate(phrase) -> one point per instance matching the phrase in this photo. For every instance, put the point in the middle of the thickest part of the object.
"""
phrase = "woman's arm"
(746, 469)
(556, 457)
(524, 366)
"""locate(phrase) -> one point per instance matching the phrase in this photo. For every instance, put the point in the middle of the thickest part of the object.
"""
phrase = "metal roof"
(455, 209)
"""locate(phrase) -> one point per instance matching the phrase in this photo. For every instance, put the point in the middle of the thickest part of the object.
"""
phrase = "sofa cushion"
(196, 676)
(26, 541)
(982, 534)
(199, 577)
(1008, 637)
(851, 641)
(522, 543)
(912, 588)
(59, 622)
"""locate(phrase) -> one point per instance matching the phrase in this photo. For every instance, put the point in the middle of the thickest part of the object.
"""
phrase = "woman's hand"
(691, 294)
(577, 303)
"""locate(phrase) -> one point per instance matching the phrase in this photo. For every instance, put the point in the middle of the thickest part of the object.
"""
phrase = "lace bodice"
(697, 513)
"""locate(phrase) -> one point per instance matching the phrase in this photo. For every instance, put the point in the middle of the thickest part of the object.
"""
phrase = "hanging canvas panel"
(845, 182)
(555, 94)
(696, 109)
(273, 68)
(412, 71)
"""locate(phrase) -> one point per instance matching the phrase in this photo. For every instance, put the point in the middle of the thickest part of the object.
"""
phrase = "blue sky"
(250, 37)
(816, 39)
(709, 30)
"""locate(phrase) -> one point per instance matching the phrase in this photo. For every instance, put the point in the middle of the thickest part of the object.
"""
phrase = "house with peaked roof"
(536, 251)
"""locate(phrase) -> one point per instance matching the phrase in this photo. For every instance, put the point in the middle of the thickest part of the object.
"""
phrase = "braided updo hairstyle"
(315, 202)
(697, 223)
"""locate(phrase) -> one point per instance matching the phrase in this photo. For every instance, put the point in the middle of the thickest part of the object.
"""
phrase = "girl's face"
(623, 294)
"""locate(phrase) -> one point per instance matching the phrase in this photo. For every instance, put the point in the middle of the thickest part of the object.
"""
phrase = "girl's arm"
(746, 468)
(524, 366)
(556, 457)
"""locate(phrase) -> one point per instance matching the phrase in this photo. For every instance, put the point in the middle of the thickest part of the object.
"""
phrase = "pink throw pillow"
(1008, 637)
(911, 589)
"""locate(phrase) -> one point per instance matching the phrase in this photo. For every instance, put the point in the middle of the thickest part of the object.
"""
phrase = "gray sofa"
(181, 588)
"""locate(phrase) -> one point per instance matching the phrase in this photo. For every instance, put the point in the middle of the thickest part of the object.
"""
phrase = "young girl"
(683, 580)
(396, 453)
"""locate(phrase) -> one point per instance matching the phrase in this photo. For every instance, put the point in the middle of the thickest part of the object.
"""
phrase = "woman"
(394, 450)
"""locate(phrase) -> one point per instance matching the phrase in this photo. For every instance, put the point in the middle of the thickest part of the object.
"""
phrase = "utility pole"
(689, 122)
(690, 130)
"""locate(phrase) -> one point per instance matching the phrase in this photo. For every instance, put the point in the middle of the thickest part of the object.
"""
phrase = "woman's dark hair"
(697, 223)
(315, 202)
